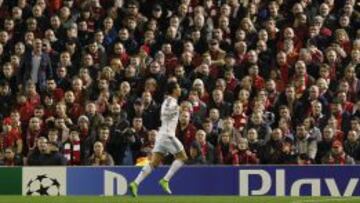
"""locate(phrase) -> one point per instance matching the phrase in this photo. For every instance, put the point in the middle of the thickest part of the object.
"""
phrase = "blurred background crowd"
(263, 81)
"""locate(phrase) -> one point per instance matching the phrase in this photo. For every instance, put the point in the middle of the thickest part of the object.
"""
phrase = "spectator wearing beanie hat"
(337, 155)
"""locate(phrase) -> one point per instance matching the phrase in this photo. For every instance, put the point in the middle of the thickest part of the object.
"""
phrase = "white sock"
(145, 171)
(173, 168)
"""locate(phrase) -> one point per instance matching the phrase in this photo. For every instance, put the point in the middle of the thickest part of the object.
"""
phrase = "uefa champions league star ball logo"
(42, 185)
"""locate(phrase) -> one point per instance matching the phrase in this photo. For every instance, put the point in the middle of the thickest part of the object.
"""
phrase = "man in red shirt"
(244, 155)
(10, 137)
(51, 87)
(239, 116)
(257, 81)
(30, 136)
(185, 130)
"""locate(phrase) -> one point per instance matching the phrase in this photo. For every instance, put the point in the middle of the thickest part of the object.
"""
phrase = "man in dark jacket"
(195, 155)
(36, 66)
(42, 156)
(277, 150)
(352, 145)
(124, 37)
(151, 111)
(257, 122)
(6, 99)
(324, 146)
(207, 149)
(219, 102)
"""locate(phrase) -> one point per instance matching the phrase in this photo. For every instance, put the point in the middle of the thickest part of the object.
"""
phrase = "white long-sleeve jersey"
(169, 117)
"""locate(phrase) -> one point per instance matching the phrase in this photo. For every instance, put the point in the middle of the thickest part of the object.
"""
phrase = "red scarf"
(284, 73)
(231, 84)
(240, 121)
(31, 137)
(72, 152)
(8, 162)
(258, 82)
(84, 133)
(333, 72)
(339, 119)
(124, 58)
(204, 150)
(341, 159)
(196, 107)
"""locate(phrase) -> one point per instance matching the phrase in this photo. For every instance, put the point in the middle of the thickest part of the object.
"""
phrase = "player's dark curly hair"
(171, 86)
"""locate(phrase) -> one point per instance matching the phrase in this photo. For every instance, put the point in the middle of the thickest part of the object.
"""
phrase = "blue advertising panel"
(243, 181)
(188, 181)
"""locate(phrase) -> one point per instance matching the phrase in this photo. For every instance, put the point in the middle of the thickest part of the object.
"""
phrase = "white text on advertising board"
(267, 182)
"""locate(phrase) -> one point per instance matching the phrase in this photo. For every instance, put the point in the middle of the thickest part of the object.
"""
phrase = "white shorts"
(167, 145)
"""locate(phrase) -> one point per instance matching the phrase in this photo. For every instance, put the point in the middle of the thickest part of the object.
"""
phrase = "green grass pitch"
(177, 199)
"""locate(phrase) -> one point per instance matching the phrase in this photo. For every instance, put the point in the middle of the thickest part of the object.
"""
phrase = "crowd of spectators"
(263, 81)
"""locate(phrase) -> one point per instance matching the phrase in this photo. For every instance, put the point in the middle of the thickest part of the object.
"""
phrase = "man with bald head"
(207, 149)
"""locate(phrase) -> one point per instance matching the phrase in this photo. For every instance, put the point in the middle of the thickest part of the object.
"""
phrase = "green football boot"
(165, 186)
(133, 187)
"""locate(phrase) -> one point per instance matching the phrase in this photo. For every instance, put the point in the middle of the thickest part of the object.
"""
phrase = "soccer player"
(166, 142)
